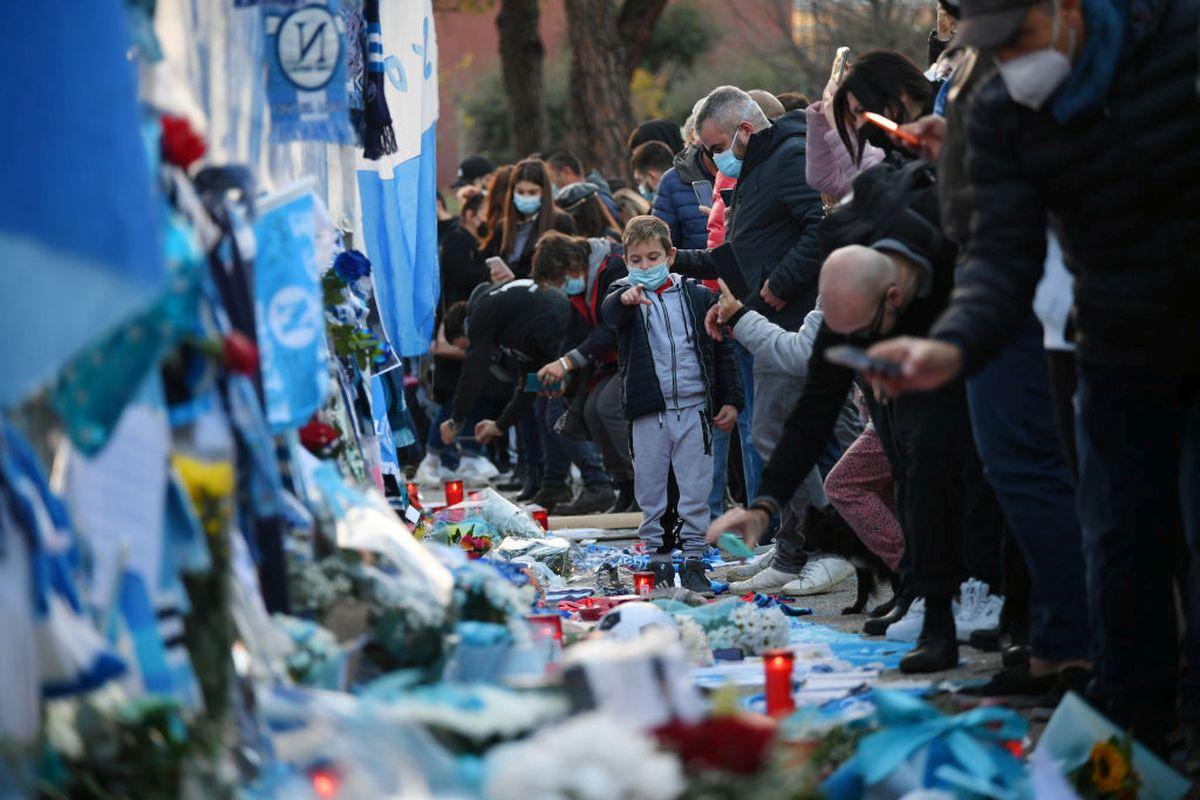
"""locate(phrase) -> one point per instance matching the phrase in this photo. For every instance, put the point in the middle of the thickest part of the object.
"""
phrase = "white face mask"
(1033, 78)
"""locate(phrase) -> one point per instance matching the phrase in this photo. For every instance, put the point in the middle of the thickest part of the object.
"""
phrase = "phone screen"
(532, 384)
(855, 358)
(840, 62)
(704, 192)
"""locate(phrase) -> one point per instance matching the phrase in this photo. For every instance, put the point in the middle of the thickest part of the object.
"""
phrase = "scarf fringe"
(378, 141)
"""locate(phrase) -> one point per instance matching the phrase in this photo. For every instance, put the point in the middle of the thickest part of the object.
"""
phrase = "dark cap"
(471, 168)
(573, 194)
(987, 24)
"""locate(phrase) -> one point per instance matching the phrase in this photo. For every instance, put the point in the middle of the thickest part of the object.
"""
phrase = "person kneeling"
(676, 385)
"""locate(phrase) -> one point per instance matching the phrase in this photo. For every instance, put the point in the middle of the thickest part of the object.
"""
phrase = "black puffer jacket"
(641, 393)
(773, 221)
(1122, 187)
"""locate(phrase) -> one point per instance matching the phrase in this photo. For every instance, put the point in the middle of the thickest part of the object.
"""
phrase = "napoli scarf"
(377, 135)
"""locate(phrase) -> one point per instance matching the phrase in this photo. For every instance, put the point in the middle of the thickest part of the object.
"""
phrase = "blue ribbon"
(973, 739)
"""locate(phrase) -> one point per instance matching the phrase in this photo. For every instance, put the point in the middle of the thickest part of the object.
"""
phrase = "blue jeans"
(465, 441)
(1018, 441)
(752, 463)
(1138, 436)
(561, 451)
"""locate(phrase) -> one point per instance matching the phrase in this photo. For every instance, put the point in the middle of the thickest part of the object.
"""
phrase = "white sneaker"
(475, 470)
(766, 581)
(908, 628)
(429, 471)
(819, 576)
(751, 568)
(977, 609)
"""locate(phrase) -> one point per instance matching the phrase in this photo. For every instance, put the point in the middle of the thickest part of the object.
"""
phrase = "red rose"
(316, 436)
(181, 145)
(240, 354)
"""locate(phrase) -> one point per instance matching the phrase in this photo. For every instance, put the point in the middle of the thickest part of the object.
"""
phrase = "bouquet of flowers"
(750, 628)
(588, 757)
(1108, 773)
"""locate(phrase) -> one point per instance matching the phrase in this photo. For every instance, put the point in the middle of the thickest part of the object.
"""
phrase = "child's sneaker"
(693, 578)
(664, 574)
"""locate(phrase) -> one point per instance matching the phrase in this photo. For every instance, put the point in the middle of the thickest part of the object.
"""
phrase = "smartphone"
(891, 127)
(728, 270)
(495, 261)
(855, 358)
(532, 384)
(727, 197)
(840, 61)
(704, 192)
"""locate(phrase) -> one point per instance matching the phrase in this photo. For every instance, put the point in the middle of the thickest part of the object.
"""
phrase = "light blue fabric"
(1093, 71)
(527, 204)
(574, 285)
(77, 218)
(289, 314)
(651, 277)
(400, 234)
(729, 164)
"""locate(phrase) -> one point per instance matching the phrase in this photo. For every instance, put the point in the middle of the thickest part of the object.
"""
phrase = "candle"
(454, 492)
(643, 583)
(414, 494)
(778, 667)
(591, 613)
(542, 517)
(546, 626)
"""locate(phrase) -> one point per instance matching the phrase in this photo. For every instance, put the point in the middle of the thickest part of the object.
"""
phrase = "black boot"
(592, 500)
(879, 625)
(985, 639)
(533, 483)
(625, 501)
(517, 481)
(551, 497)
(937, 646)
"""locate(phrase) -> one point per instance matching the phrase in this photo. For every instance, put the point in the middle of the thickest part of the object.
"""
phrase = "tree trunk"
(600, 109)
(636, 26)
(521, 56)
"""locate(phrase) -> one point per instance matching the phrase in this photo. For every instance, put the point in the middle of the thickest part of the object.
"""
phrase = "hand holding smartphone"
(704, 192)
(893, 128)
(854, 358)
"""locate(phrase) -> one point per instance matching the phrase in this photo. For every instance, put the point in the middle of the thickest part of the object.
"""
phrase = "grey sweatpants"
(660, 441)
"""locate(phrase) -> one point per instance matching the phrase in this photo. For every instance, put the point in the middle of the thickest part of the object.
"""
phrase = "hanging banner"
(306, 77)
(398, 191)
(288, 310)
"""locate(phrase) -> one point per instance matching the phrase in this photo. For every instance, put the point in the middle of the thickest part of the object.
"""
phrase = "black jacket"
(588, 340)
(517, 319)
(676, 203)
(773, 220)
(1121, 186)
(461, 269)
(893, 209)
(640, 390)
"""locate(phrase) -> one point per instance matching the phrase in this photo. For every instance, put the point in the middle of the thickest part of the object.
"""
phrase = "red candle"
(414, 494)
(643, 583)
(591, 613)
(778, 667)
(546, 626)
(454, 492)
(542, 517)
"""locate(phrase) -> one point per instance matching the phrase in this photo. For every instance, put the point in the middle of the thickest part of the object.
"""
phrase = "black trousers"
(927, 439)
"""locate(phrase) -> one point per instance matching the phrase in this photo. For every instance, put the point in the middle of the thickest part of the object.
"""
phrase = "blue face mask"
(574, 285)
(527, 203)
(646, 192)
(729, 164)
(651, 277)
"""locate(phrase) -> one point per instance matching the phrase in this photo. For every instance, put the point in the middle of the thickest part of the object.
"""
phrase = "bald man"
(900, 283)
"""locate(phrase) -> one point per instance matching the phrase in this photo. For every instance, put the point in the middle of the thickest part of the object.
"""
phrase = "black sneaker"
(664, 574)
(1012, 681)
(986, 639)
(592, 500)
(550, 497)
(693, 577)
(625, 501)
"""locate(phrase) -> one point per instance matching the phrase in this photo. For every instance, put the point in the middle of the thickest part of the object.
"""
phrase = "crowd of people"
(963, 354)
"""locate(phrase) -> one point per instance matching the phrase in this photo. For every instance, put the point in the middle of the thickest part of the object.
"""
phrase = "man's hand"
(925, 364)
(726, 418)
(551, 373)
(499, 271)
(713, 325)
(931, 131)
(749, 523)
(728, 304)
(487, 431)
(448, 430)
(634, 296)
(772, 299)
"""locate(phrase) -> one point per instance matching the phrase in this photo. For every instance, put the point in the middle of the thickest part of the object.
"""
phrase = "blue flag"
(289, 314)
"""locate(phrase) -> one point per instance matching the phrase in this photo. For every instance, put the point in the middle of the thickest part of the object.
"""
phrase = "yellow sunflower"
(1109, 767)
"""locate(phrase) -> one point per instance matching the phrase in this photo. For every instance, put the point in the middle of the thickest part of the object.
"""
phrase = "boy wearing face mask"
(676, 385)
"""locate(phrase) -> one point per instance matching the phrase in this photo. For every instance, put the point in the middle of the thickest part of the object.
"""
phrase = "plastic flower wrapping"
(588, 757)
(733, 623)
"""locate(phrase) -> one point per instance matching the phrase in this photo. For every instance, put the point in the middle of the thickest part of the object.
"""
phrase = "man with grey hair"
(771, 226)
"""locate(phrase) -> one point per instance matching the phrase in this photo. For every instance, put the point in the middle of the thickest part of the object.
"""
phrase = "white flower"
(60, 728)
